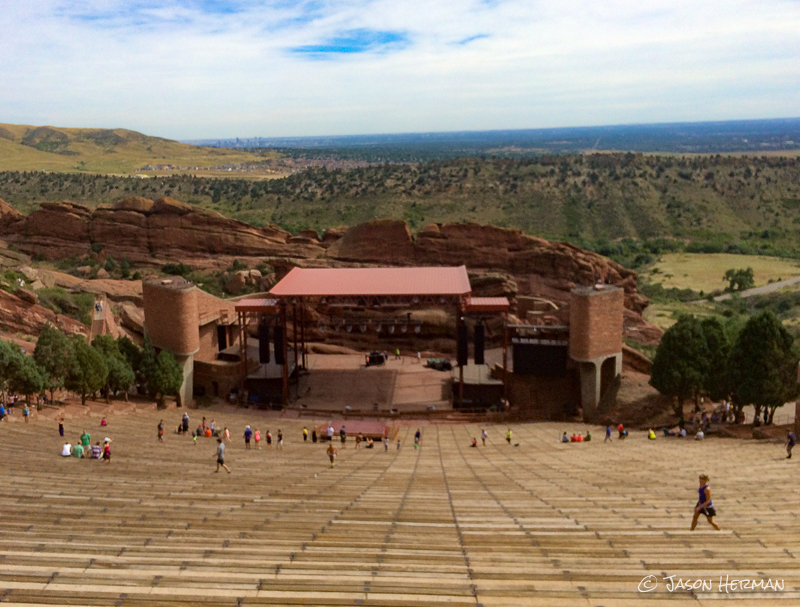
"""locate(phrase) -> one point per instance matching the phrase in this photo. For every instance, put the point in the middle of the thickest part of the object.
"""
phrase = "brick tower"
(595, 341)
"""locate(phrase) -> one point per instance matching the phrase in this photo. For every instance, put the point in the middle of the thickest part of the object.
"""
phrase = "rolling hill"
(108, 151)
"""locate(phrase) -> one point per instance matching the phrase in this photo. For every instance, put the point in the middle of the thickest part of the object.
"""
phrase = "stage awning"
(258, 306)
(487, 304)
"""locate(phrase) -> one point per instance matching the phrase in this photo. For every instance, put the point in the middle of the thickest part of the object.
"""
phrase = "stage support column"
(242, 349)
(505, 358)
(459, 321)
(303, 333)
(285, 370)
(294, 338)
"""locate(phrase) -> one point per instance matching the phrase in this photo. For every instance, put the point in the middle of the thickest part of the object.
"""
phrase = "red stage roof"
(332, 282)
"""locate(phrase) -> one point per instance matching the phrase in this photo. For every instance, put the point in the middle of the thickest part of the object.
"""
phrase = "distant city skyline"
(199, 69)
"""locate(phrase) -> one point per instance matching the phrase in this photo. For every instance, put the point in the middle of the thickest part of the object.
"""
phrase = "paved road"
(758, 290)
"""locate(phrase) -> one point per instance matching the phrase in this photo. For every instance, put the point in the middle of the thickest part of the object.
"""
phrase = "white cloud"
(192, 69)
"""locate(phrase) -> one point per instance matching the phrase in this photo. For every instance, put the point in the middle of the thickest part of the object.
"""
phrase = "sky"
(192, 69)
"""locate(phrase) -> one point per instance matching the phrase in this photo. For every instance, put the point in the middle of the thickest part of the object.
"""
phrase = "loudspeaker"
(263, 343)
(480, 342)
(280, 359)
(463, 345)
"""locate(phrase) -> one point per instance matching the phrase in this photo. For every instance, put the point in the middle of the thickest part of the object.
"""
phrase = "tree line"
(108, 365)
(751, 364)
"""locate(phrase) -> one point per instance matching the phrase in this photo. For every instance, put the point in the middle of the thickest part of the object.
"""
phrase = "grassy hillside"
(704, 272)
(117, 151)
(628, 206)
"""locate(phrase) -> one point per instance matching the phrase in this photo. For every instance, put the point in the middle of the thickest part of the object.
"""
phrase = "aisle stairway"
(539, 524)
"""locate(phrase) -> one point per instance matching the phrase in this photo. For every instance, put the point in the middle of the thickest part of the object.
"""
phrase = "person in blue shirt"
(704, 504)
(608, 434)
(791, 441)
(248, 434)
(2, 413)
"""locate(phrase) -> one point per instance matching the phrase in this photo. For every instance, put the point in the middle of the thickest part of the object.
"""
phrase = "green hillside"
(614, 203)
(118, 151)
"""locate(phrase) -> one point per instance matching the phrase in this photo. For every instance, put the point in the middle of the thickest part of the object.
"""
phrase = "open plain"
(541, 523)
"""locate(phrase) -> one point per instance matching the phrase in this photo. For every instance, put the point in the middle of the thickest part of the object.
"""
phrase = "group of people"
(576, 438)
(8, 409)
(250, 434)
(83, 449)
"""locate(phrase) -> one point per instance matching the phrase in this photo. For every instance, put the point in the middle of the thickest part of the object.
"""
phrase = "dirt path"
(758, 290)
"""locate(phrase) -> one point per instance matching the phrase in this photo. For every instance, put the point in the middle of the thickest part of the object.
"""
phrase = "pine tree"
(762, 366)
(167, 378)
(680, 365)
(52, 354)
(87, 371)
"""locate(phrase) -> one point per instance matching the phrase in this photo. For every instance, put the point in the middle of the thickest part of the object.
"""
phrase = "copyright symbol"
(648, 584)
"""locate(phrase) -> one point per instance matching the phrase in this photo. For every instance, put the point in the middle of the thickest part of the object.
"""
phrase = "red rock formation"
(143, 230)
(19, 316)
(501, 261)
(8, 214)
(384, 241)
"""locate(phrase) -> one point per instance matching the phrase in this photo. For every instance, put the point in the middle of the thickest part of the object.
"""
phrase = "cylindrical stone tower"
(172, 321)
(170, 314)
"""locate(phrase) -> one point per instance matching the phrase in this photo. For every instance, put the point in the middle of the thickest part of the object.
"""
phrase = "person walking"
(185, 421)
(258, 439)
(226, 434)
(484, 436)
(608, 435)
(704, 504)
(26, 413)
(61, 426)
(305, 434)
(248, 434)
(220, 455)
(107, 451)
(161, 431)
(343, 435)
(332, 452)
(791, 441)
(269, 439)
(417, 438)
(509, 435)
(385, 444)
(314, 435)
(280, 439)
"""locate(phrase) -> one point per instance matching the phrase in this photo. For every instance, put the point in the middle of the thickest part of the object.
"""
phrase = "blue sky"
(190, 69)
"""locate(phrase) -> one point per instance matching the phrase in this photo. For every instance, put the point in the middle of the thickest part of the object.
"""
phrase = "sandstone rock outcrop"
(8, 214)
(501, 261)
(385, 241)
(146, 232)
(20, 316)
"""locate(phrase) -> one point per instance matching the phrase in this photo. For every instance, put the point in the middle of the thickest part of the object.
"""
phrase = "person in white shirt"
(699, 435)
(66, 450)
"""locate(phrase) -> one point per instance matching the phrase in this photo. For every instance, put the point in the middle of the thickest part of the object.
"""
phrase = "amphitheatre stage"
(544, 523)
(338, 381)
